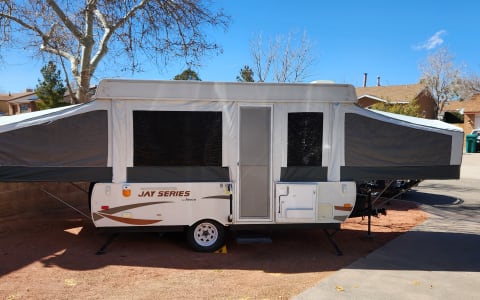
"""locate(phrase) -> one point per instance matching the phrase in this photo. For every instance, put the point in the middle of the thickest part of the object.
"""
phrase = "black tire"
(206, 236)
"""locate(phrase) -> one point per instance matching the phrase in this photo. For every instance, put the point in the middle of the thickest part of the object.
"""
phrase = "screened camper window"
(305, 131)
(177, 138)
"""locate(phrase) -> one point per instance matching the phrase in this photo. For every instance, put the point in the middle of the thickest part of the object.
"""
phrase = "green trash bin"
(471, 145)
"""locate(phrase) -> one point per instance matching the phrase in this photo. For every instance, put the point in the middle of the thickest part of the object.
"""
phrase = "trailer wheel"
(206, 236)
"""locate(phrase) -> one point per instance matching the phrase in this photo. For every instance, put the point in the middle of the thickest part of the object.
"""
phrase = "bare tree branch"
(129, 15)
(71, 92)
(24, 24)
(287, 59)
(84, 32)
(441, 77)
(109, 30)
(263, 61)
(68, 23)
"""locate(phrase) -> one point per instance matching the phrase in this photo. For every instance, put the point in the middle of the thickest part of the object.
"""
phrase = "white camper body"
(184, 204)
(252, 121)
(204, 155)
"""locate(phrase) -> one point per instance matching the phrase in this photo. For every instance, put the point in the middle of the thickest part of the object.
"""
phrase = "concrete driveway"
(439, 259)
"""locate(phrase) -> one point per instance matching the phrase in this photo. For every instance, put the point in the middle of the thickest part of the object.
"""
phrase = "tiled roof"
(5, 97)
(392, 93)
(471, 105)
(8, 97)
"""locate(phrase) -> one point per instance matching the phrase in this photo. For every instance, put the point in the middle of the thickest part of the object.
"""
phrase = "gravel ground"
(52, 256)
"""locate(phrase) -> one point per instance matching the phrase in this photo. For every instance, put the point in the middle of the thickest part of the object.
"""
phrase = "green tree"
(133, 32)
(246, 75)
(188, 74)
(410, 109)
(51, 89)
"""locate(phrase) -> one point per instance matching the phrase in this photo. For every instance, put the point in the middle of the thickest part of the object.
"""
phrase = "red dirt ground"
(52, 256)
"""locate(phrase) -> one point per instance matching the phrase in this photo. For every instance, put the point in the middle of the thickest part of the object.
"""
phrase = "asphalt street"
(439, 259)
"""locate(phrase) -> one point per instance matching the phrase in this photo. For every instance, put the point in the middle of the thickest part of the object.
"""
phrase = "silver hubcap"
(206, 234)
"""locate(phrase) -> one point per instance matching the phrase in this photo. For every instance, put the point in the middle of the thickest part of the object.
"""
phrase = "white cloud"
(433, 42)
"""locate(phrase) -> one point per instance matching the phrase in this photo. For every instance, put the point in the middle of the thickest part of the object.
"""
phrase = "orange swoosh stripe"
(338, 207)
(130, 221)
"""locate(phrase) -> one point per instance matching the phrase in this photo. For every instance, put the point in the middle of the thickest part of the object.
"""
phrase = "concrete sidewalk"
(439, 259)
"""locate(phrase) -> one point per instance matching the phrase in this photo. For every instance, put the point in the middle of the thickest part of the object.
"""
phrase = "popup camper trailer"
(205, 156)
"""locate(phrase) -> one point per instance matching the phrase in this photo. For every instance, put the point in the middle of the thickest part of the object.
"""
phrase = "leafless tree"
(442, 77)
(263, 57)
(83, 32)
(282, 59)
(471, 86)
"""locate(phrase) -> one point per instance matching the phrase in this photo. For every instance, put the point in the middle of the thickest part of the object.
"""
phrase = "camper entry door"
(254, 164)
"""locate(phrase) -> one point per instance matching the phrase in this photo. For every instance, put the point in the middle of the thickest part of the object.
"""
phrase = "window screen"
(177, 138)
(305, 139)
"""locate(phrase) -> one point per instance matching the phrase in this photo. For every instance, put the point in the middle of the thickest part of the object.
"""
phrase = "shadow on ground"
(430, 198)
(71, 243)
(427, 251)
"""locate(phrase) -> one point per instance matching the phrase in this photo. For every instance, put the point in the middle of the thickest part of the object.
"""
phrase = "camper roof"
(224, 91)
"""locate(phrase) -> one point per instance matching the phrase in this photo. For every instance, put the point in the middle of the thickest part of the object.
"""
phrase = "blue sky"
(382, 38)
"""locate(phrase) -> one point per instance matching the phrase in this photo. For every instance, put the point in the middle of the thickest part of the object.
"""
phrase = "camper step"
(252, 238)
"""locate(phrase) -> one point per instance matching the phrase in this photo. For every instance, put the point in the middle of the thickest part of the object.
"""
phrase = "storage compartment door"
(295, 202)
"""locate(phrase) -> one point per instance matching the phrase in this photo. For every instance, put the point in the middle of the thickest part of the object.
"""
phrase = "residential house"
(22, 103)
(17, 103)
(398, 94)
(11, 104)
(470, 109)
(4, 98)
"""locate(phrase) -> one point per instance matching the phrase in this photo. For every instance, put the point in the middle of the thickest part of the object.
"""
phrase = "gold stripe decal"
(117, 209)
(130, 221)
(226, 197)
(108, 213)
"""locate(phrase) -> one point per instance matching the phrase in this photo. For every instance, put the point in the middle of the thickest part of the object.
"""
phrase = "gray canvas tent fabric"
(138, 131)
(74, 148)
(375, 149)
(371, 142)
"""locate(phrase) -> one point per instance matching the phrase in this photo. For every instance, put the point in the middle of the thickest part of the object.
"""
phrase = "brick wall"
(26, 199)
(366, 102)
(469, 121)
